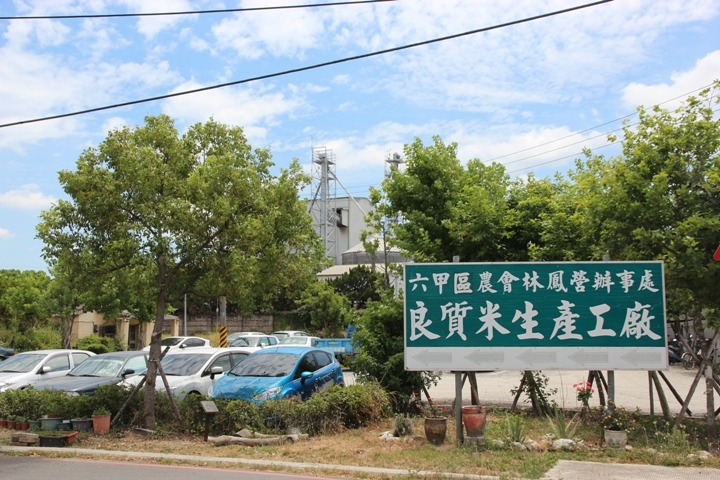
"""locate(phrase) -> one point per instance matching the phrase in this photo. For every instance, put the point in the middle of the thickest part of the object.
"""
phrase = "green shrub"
(516, 428)
(36, 339)
(99, 345)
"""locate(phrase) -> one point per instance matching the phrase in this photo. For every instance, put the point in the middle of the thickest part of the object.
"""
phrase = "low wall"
(258, 323)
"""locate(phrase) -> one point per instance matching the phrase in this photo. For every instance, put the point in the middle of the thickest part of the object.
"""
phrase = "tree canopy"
(163, 214)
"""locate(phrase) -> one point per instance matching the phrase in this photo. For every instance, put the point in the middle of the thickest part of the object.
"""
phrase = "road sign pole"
(458, 409)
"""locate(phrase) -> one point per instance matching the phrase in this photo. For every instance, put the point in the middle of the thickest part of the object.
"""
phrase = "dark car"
(274, 373)
(6, 352)
(104, 369)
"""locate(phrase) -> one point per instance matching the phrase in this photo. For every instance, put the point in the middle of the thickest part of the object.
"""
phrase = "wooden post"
(661, 397)
(672, 389)
(710, 394)
(652, 400)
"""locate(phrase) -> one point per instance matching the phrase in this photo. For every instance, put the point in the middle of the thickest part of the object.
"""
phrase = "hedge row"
(332, 410)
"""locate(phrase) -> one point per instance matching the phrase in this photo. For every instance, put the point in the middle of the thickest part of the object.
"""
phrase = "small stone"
(497, 443)
(651, 451)
(532, 446)
(628, 448)
(691, 455)
(563, 444)
(704, 454)
(517, 446)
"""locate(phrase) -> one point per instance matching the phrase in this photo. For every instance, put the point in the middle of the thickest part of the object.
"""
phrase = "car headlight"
(210, 391)
(267, 394)
(73, 394)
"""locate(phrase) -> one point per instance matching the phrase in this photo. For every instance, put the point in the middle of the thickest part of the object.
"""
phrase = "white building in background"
(346, 221)
(357, 255)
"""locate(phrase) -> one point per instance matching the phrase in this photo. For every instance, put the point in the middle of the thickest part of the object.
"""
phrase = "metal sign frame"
(535, 316)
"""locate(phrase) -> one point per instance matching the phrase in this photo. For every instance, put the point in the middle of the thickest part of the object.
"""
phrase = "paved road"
(40, 468)
(631, 388)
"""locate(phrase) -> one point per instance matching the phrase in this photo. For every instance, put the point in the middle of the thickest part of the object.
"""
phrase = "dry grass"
(363, 447)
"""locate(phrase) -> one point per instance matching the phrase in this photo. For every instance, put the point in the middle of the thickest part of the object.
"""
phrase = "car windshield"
(246, 342)
(171, 341)
(98, 367)
(268, 365)
(280, 335)
(183, 365)
(21, 363)
(294, 341)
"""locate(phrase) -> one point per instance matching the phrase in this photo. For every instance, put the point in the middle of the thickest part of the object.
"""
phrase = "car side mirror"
(305, 375)
(215, 371)
(127, 372)
(45, 369)
(182, 345)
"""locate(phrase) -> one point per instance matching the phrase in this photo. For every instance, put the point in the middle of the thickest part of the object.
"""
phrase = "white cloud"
(5, 234)
(705, 71)
(245, 107)
(28, 197)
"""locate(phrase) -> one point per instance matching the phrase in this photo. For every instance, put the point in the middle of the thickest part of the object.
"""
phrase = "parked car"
(6, 352)
(29, 368)
(275, 373)
(233, 336)
(289, 333)
(299, 342)
(181, 342)
(254, 342)
(195, 370)
(104, 369)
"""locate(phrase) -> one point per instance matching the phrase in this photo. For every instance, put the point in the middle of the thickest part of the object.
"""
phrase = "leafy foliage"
(99, 345)
(380, 344)
(560, 427)
(325, 310)
(153, 215)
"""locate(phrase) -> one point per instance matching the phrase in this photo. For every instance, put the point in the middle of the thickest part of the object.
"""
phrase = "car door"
(223, 361)
(308, 363)
(54, 366)
(324, 374)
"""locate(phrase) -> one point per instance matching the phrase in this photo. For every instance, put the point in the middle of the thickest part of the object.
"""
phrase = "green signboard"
(535, 315)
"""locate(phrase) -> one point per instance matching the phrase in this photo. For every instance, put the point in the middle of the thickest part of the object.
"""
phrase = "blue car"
(274, 373)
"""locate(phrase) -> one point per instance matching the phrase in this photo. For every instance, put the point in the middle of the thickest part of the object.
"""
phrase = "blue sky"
(519, 94)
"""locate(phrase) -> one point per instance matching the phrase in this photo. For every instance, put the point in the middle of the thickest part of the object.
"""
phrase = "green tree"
(198, 213)
(359, 285)
(22, 303)
(325, 310)
(380, 342)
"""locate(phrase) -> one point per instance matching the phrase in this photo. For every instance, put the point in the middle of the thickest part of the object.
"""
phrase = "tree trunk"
(151, 374)
(66, 330)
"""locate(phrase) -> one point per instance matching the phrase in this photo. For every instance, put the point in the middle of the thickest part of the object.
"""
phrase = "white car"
(30, 368)
(254, 342)
(195, 370)
(290, 333)
(181, 342)
(298, 342)
(233, 336)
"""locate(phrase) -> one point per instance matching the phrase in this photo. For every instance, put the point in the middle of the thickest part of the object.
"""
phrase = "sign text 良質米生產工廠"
(535, 315)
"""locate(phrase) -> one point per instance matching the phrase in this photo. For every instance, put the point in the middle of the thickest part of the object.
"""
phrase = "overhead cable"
(191, 12)
(306, 68)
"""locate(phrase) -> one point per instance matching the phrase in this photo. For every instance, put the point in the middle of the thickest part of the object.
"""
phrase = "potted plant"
(616, 421)
(435, 424)
(584, 392)
(101, 420)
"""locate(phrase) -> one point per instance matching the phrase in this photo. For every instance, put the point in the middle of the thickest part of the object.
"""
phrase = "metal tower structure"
(393, 163)
(322, 206)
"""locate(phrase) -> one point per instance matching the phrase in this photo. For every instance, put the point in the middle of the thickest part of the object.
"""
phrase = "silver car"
(195, 370)
(29, 368)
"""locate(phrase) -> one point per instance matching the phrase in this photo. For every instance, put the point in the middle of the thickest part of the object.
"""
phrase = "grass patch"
(653, 441)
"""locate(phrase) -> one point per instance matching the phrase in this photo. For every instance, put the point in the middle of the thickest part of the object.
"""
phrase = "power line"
(587, 130)
(310, 67)
(597, 148)
(191, 12)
